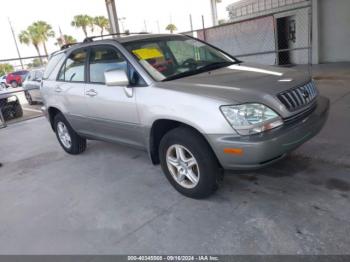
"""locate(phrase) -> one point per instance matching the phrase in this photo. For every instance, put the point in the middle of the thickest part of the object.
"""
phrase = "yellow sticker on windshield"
(147, 53)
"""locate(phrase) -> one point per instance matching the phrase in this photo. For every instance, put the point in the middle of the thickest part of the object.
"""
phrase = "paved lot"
(111, 200)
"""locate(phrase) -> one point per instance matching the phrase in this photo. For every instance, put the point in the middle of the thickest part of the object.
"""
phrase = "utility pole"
(63, 40)
(122, 19)
(15, 40)
(158, 27)
(203, 27)
(191, 24)
(112, 16)
(145, 23)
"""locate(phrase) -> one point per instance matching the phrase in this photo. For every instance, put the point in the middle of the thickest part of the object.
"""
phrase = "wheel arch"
(162, 126)
(52, 112)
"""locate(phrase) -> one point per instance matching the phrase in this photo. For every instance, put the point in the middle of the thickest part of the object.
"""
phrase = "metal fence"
(278, 36)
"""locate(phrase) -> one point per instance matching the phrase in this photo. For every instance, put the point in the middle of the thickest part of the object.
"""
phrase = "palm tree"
(83, 22)
(45, 31)
(5, 69)
(171, 28)
(91, 24)
(101, 22)
(31, 36)
(65, 39)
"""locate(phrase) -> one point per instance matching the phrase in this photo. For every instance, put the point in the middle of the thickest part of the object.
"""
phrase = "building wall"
(253, 8)
(246, 37)
(334, 30)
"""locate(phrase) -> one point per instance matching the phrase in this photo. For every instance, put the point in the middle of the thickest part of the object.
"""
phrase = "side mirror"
(116, 77)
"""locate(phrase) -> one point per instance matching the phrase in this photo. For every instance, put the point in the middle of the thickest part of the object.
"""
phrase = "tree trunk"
(38, 51)
(85, 32)
(45, 49)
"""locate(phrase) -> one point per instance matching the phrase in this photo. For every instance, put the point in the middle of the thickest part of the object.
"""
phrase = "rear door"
(70, 89)
(112, 109)
(36, 85)
(27, 84)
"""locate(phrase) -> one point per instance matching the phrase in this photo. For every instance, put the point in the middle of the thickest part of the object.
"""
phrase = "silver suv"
(195, 109)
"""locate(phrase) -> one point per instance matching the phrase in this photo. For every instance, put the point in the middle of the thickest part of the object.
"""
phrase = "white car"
(31, 86)
(3, 84)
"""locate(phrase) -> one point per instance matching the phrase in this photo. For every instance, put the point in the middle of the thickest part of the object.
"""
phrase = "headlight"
(248, 119)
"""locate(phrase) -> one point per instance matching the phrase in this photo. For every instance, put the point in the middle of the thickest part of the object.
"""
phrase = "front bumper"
(268, 147)
(45, 112)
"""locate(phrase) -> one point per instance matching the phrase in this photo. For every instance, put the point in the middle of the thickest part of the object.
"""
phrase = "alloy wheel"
(63, 135)
(183, 166)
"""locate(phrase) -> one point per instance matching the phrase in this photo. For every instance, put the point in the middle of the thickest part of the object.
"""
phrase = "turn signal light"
(233, 151)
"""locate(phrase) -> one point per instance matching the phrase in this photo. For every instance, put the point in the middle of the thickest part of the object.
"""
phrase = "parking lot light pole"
(214, 11)
(15, 40)
(112, 16)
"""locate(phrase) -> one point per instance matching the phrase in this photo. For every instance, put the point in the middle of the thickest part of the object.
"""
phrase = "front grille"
(298, 97)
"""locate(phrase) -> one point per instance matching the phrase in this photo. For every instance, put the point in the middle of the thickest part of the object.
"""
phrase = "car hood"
(241, 83)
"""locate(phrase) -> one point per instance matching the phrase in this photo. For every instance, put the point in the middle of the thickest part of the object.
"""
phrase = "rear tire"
(70, 141)
(14, 84)
(181, 174)
(18, 110)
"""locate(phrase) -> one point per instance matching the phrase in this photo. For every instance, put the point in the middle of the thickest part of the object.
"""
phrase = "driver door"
(111, 110)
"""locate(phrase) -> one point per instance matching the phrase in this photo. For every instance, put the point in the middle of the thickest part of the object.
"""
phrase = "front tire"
(189, 163)
(70, 141)
(29, 98)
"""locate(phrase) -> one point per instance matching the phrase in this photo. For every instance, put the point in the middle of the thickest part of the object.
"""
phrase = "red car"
(16, 79)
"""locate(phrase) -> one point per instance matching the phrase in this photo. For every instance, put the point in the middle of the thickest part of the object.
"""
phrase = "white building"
(293, 23)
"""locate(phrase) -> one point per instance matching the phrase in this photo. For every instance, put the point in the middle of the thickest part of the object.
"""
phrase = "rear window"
(53, 62)
(19, 73)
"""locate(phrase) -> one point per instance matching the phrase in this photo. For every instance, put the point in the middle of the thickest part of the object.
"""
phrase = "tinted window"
(74, 68)
(30, 76)
(168, 58)
(103, 59)
(19, 73)
(54, 60)
(38, 75)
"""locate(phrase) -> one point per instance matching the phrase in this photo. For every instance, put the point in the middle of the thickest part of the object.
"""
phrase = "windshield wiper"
(202, 69)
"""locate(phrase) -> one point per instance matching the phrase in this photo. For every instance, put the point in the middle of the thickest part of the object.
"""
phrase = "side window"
(51, 66)
(38, 75)
(103, 59)
(74, 68)
(29, 77)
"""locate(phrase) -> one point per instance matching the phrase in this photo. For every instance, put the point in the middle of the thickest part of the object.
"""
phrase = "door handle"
(91, 93)
(58, 89)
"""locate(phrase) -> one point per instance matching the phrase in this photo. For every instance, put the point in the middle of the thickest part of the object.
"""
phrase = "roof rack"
(65, 46)
(91, 38)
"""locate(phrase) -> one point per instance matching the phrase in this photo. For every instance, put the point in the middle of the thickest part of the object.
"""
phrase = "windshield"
(169, 58)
